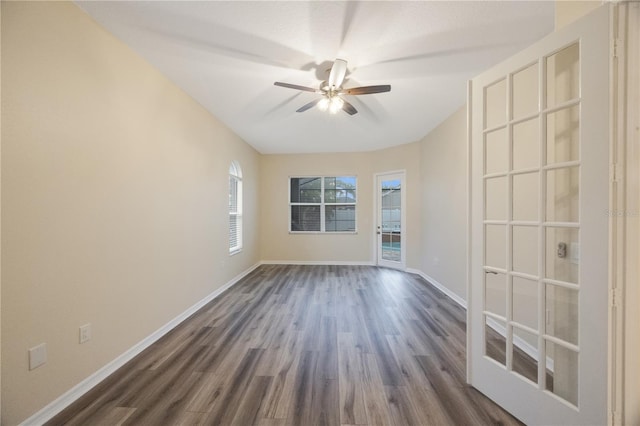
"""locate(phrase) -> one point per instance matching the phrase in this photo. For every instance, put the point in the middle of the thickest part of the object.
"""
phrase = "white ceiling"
(227, 54)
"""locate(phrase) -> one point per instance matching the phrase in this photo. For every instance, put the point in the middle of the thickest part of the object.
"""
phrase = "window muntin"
(322, 204)
(235, 208)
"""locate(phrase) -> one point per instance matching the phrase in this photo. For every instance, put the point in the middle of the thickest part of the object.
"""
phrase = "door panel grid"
(390, 228)
(539, 248)
(531, 216)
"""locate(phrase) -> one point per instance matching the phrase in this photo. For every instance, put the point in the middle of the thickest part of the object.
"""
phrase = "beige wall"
(276, 242)
(444, 203)
(114, 189)
(568, 11)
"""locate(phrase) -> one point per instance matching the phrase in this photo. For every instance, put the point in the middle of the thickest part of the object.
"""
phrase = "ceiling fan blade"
(338, 71)
(366, 90)
(309, 105)
(295, 86)
(348, 108)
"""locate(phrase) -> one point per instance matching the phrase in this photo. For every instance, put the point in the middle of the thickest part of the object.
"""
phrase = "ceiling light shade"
(323, 104)
(335, 104)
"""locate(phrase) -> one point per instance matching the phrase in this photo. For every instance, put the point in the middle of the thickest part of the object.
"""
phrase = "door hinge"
(615, 296)
(614, 172)
(614, 48)
(615, 418)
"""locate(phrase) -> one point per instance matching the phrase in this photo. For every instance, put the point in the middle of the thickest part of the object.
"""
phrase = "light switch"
(85, 333)
(37, 356)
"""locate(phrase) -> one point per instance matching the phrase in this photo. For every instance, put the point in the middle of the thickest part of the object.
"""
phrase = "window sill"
(324, 233)
(234, 252)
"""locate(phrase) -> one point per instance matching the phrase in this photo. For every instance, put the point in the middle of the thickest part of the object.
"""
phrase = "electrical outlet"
(574, 253)
(85, 333)
(37, 356)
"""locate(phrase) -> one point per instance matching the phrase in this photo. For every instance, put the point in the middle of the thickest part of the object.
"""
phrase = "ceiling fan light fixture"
(332, 89)
(335, 104)
(323, 104)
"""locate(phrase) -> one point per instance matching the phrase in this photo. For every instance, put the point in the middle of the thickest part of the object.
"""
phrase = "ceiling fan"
(332, 91)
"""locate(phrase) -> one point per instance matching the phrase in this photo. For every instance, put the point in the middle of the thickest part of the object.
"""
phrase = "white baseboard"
(66, 399)
(316, 262)
(459, 300)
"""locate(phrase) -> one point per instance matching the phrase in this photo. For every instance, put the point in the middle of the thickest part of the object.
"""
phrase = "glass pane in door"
(562, 313)
(563, 135)
(496, 246)
(496, 204)
(525, 302)
(525, 92)
(525, 354)
(562, 372)
(391, 224)
(495, 342)
(525, 196)
(563, 75)
(495, 293)
(496, 153)
(524, 249)
(496, 104)
(563, 189)
(526, 144)
(562, 255)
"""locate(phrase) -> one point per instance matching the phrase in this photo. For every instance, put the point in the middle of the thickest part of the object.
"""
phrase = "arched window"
(235, 207)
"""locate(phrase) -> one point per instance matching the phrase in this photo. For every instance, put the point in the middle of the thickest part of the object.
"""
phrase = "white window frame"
(323, 205)
(235, 175)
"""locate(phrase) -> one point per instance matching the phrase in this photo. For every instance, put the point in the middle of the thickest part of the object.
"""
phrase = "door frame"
(624, 347)
(402, 265)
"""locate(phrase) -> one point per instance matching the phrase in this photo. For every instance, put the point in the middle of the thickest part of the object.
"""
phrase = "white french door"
(538, 317)
(390, 223)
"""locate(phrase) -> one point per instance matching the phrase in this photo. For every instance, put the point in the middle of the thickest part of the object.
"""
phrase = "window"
(322, 204)
(235, 208)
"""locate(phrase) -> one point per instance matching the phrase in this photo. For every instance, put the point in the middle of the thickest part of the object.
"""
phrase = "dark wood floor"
(302, 345)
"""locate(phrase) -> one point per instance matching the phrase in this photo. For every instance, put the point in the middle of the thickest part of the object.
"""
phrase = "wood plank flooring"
(302, 345)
